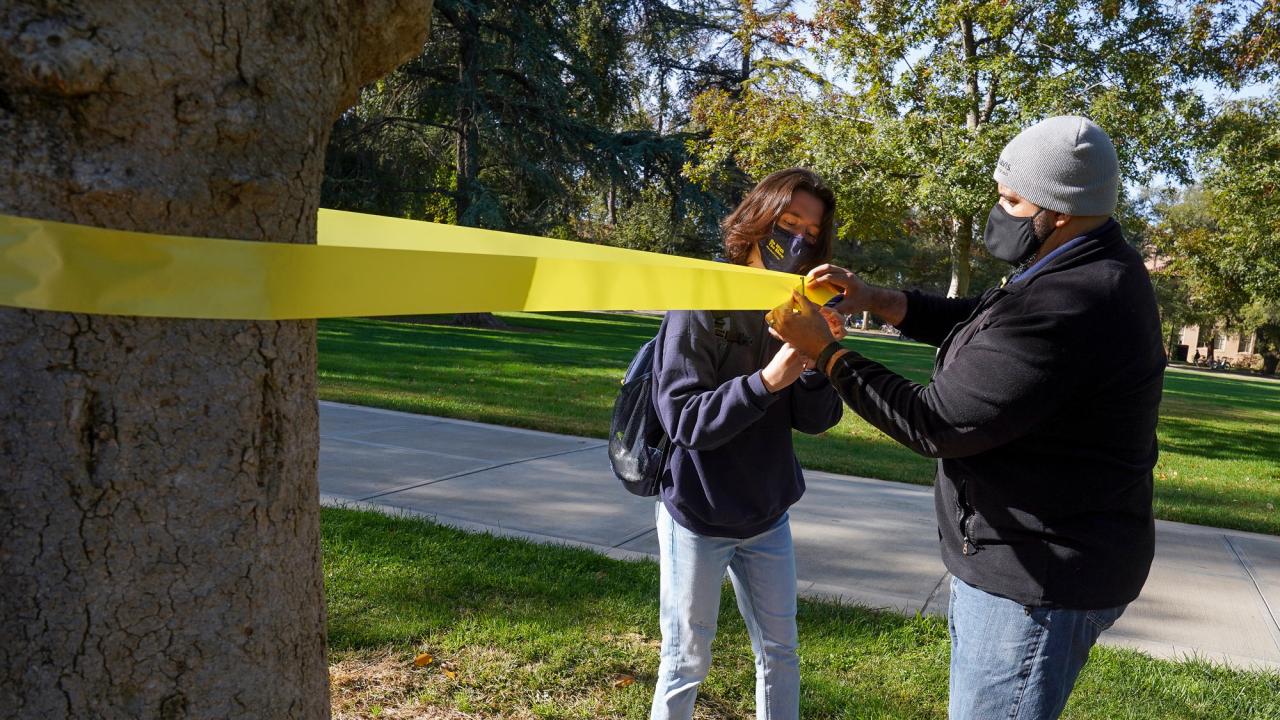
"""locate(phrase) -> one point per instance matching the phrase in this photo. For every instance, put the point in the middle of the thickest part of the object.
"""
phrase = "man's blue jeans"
(1009, 662)
(763, 571)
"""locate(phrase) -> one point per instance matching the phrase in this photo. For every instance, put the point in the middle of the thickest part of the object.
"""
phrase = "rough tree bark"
(159, 534)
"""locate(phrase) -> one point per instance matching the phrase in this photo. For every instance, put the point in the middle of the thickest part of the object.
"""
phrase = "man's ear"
(1061, 219)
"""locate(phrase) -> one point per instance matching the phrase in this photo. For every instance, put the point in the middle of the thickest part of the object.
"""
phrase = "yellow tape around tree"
(361, 265)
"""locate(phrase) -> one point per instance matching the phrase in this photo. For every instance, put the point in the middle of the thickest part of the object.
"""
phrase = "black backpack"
(638, 446)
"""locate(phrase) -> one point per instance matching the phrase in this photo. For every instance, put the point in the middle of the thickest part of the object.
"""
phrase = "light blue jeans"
(763, 571)
(1010, 662)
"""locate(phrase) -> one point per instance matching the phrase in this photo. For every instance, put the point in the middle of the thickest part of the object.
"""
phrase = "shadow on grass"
(398, 582)
(1210, 394)
(390, 344)
(1209, 440)
(1235, 509)
(562, 377)
(526, 622)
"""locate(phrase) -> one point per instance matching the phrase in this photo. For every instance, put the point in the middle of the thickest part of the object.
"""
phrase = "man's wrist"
(831, 364)
(888, 304)
(824, 358)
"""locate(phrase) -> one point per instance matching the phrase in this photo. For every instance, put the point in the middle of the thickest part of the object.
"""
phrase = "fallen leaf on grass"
(422, 660)
(622, 680)
(449, 670)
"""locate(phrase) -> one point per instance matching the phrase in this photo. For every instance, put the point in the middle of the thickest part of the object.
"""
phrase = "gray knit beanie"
(1066, 164)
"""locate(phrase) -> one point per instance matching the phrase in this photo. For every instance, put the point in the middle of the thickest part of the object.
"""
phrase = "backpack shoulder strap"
(726, 333)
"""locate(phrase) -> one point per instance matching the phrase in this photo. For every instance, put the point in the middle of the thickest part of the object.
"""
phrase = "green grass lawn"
(552, 632)
(1219, 435)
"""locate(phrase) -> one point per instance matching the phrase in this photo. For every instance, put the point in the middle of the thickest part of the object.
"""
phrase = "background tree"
(676, 51)
(937, 88)
(1262, 317)
(1223, 236)
(158, 497)
(500, 111)
(522, 116)
(1242, 186)
(563, 119)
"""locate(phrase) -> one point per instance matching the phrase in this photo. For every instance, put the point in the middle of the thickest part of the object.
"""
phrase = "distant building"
(1229, 346)
(1226, 346)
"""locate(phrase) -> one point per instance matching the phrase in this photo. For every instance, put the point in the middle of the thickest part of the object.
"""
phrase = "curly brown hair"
(759, 210)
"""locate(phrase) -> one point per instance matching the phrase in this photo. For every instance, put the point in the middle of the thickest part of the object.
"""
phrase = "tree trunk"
(158, 500)
(475, 320)
(611, 204)
(479, 320)
(467, 165)
(972, 89)
(960, 257)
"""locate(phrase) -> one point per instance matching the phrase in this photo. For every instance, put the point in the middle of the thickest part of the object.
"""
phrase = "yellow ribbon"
(361, 265)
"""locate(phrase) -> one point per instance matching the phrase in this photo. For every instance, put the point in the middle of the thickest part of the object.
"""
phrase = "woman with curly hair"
(729, 394)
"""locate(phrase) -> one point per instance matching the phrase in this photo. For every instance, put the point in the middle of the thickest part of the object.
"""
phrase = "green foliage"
(1243, 185)
(552, 118)
(1249, 38)
(1223, 236)
(640, 123)
(1262, 317)
(936, 90)
(499, 116)
(646, 223)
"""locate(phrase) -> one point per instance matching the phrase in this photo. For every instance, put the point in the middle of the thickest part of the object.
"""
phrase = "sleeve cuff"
(812, 380)
(841, 363)
(758, 393)
(913, 302)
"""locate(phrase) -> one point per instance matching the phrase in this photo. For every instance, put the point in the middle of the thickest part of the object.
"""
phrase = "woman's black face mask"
(788, 252)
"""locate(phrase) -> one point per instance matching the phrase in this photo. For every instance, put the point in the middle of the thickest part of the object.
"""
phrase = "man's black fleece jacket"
(1042, 412)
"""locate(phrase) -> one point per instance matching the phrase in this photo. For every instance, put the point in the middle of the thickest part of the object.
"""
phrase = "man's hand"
(889, 305)
(857, 294)
(804, 327)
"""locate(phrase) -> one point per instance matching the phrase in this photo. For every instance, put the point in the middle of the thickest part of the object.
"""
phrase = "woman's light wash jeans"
(763, 571)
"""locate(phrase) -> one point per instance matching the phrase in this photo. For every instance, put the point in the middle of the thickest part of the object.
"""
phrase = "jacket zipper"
(969, 546)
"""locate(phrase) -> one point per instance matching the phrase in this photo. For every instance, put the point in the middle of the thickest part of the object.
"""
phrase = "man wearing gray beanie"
(1042, 414)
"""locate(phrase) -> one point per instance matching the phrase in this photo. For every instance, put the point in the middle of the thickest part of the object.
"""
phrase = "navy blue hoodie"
(732, 471)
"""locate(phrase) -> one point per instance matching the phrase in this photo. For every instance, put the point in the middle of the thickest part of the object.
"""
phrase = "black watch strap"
(824, 357)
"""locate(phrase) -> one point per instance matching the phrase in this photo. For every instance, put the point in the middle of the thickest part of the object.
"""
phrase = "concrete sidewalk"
(1214, 594)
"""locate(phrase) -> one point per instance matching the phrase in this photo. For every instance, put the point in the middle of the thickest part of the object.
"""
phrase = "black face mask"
(785, 252)
(1011, 239)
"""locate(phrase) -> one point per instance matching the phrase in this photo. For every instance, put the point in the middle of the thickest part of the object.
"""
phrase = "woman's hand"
(784, 368)
(835, 321)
